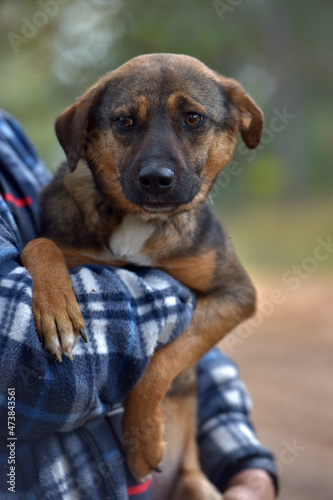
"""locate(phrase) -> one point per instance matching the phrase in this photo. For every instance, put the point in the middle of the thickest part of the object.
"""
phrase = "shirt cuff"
(254, 462)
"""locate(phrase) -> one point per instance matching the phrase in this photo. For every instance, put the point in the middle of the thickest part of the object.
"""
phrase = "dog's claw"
(83, 335)
(69, 353)
(58, 354)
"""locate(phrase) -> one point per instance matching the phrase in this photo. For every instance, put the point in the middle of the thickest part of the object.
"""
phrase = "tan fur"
(195, 272)
(80, 185)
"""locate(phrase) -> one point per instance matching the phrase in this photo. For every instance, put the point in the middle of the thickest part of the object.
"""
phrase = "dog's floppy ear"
(72, 127)
(249, 117)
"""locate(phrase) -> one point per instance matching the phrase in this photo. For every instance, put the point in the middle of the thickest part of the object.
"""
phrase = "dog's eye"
(124, 122)
(193, 119)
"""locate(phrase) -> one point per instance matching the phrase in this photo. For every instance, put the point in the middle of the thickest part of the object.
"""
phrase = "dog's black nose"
(156, 180)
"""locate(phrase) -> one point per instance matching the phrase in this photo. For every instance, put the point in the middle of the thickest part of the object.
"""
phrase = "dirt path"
(287, 363)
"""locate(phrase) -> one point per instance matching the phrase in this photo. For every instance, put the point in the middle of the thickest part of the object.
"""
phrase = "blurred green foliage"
(281, 51)
(265, 178)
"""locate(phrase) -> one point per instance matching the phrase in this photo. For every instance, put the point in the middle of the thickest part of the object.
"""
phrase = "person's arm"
(127, 315)
(230, 453)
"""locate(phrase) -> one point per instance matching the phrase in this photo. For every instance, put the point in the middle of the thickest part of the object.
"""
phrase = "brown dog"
(144, 147)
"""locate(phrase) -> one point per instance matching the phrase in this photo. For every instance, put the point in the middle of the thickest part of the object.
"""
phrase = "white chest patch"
(127, 241)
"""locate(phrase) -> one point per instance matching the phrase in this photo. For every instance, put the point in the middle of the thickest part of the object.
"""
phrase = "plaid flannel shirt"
(62, 441)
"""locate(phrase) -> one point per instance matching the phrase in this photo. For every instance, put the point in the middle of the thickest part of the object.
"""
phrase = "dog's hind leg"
(182, 477)
(192, 483)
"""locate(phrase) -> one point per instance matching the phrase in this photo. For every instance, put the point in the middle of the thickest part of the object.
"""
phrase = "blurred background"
(276, 202)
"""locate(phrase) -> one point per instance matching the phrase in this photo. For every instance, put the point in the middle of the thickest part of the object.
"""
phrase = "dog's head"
(157, 131)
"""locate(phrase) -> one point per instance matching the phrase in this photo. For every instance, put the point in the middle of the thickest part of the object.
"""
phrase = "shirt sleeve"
(22, 175)
(227, 441)
(128, 314)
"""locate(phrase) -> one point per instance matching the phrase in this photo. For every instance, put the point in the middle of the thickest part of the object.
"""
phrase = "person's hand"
(251, 484)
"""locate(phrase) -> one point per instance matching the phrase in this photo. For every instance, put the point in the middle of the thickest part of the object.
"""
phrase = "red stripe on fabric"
(18, 202)
(139, 488)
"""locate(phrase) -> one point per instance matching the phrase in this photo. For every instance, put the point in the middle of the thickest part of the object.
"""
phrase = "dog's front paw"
(57, 315)
(142, 437)
(58, 318)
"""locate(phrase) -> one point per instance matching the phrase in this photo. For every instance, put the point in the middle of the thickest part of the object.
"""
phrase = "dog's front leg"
(57, 315)
(215, 315)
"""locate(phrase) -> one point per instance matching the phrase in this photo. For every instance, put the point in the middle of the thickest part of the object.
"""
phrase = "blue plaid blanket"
(60, 423)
